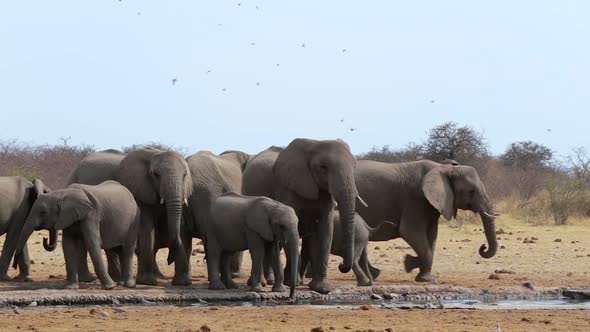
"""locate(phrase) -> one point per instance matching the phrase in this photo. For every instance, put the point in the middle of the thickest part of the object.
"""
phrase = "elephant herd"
(316, 191)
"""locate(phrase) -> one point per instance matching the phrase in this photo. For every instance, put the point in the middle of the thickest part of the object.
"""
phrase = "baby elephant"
(255, 223)
(364, 272)
(103, 216)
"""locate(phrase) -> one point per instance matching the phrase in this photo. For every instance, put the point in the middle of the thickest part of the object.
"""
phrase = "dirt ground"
(559, 256)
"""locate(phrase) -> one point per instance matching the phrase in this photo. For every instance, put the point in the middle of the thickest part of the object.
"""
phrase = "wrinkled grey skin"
(212, 176)
(98, 217)
(364, 272)
(255, 223)
(17, 196)
(161, 183)
(309, 175)
(415, 194)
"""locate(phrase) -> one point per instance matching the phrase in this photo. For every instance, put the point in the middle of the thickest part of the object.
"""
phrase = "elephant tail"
(385, 231)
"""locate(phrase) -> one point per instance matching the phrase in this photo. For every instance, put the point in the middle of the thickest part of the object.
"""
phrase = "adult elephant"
(212, 175)
(17, 195)
(416, 194)
(161, 183)
(309, 175)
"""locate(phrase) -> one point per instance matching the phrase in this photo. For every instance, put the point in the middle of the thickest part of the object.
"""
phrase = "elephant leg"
(214, 253)
(419, 242)
(374, 271)
(257, 252)
(91, 234)
(363, 278)
(268, 273)
(182, 267)
(84, 274)
(71, 249)
(114, 263)
(320, 245)
(126, 259)
(24, 265)
(8, 249)
(236, 264)
(145, 243)
(156, 270)
(274, 253)
(226, 273)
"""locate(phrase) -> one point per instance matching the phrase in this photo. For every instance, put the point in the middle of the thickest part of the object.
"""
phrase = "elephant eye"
(323, 167)
(156, 174)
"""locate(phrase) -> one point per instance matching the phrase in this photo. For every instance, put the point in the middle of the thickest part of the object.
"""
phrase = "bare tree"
(449, 141)
(579, 163)
(527, 155)
(411, 152)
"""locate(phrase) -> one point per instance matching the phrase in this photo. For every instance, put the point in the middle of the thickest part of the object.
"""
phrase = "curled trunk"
(52, 244)
(489, 225)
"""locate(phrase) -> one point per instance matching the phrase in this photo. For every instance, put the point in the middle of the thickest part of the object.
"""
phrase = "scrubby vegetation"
(527, 182)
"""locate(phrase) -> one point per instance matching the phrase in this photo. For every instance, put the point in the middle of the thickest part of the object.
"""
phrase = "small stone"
(119, 310)
(494, 276)
(332, 328)
(477, 262)
(377, 248)
(557, 240)
(365, 307)
(500, 231)
(504, 271)
(529, 285)
(32, 262)
(389, 329)
(535, 238)
(33, 304)
(569, 274)
(519, 238)
(51, 276)
(116, 302)
(510, 233)
(17, 310)
(317, 329)
(526, 320)
(502, 246)
(376, 297)
(205, 328)
(388, 296)
(546, 322)
(93, 311)
(103, 314)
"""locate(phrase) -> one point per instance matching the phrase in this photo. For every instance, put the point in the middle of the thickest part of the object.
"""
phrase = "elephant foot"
(181, 280)
(23, 278)
(146, 280)
(216, 285)
(109, 285)
(86, 277)
(157, 274)
(262, 282)
(320, 286)
(71, 285)
(258, 288)
(424, 277)
(375, 272)
(364, 283)
(130, 283)
(279, 288)
(231, 285)
(411, 262)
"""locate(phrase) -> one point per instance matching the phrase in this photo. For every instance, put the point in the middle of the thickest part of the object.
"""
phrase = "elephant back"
(96, 167)
(258, 178)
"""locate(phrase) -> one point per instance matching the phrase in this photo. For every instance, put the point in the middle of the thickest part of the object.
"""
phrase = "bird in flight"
(344, 50)
(303, 45)
(174, 80)
(352, 129)
(549, 130)
(432, 101)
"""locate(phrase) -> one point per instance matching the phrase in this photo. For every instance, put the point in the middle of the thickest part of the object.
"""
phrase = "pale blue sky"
(101, 71)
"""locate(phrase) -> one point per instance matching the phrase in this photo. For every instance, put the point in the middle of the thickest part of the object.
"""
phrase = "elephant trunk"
(173, 213)
(52, 244)
(292, 253)
(346, 199)
(489, 225)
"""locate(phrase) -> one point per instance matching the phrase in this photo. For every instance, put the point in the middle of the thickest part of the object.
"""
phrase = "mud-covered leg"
(274, 252)
(71, 257)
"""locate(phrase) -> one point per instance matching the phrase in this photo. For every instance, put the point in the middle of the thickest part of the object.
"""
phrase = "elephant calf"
(103, 216)
(255, 223)
(364, 272)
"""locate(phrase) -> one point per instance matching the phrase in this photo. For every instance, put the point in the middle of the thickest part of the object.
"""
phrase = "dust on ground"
(542, 255)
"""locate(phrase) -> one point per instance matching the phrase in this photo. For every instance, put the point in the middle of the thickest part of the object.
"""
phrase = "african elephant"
(212, 176)
(309, 175)
(161, 183)
(17, 196)
(415, 194)
(364, 272)
(103, 216)
(255, 223)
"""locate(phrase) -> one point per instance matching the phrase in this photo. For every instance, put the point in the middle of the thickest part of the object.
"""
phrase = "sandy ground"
(559, 257)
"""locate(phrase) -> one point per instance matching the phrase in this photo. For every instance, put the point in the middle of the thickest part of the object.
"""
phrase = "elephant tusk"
(362, 201)
(162, 200)
(490, 215)
(185, 202)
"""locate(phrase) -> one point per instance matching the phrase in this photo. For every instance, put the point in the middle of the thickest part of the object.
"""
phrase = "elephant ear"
(40, 188)
(134, 173)
(260, 222)
(292, 169)
(439, 192)
(74, 206)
